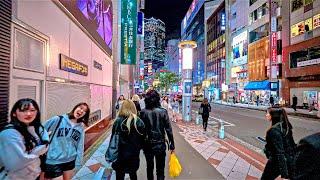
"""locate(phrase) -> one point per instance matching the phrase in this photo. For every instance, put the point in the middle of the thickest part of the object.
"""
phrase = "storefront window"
(296, 4)
(305, 57)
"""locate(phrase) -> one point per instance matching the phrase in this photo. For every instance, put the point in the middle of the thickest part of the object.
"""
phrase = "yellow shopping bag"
(174, 166)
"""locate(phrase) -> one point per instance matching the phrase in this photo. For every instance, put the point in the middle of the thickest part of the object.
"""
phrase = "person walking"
(206, 109)
(280, 146)
(156, 120)
(67, 145)
(175, 109)
(271, 100)
(294, 102)
(131, 130)
(307, 161)
(119, 102)
(136, 101)
(22, 142)
(142, 104)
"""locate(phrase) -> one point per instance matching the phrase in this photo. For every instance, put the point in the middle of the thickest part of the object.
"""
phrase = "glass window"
(296, 4)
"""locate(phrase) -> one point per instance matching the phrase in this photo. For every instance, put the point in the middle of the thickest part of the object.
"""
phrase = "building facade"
(301, 52)
(192, 28)
(60, 57)
(238, 18)
(264, 70)
(172, 57)
(216, 53)
(154, 45)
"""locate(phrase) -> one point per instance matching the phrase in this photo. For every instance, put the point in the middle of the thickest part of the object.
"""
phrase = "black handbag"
(113, 149)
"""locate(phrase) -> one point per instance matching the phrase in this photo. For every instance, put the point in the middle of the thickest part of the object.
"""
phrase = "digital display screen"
(95, 16)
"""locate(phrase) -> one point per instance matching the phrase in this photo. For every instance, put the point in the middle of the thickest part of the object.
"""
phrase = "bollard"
(221, 129)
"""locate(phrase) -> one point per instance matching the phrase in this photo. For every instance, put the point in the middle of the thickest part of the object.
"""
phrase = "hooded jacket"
(157, 126)
(17, 162)
(67, 143)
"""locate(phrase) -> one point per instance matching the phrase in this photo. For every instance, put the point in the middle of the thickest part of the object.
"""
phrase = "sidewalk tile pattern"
(232, 160)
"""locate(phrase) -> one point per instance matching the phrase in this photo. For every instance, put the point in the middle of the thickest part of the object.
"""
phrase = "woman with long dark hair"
(67, 144)
(280, 147)
(131, 131)
(156, 120)
(205, 109)
(22, 142)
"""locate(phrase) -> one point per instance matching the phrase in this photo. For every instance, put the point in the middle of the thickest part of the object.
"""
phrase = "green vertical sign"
(128, 31)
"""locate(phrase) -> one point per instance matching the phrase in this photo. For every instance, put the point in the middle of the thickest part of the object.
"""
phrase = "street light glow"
(187, 58)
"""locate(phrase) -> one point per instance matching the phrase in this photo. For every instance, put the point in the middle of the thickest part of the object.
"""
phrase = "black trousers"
(294, 106)
(121, 174)
(205, 122)
(271, 171)
(160, 163)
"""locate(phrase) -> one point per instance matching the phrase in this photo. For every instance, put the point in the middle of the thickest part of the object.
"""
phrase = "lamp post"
(187, 48)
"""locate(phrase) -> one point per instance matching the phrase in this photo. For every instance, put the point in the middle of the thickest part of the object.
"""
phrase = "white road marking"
(216, 120)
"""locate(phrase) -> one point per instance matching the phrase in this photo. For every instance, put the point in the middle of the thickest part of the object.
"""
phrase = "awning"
(258, 85)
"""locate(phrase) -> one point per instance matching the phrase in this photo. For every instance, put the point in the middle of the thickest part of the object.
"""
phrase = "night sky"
(171, 12)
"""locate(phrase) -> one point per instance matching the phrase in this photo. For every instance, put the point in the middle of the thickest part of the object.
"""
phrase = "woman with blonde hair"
(131, 131)
(136, 99)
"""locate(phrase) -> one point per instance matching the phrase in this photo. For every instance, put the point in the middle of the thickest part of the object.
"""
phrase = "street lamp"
(187, 48)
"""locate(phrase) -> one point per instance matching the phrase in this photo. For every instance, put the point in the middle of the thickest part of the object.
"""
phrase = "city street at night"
(159, 89)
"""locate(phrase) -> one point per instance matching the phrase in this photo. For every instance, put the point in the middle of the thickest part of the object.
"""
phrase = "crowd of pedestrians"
(31, 150)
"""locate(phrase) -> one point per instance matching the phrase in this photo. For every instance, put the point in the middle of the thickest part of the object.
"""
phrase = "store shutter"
(5, 38)
(62, 97)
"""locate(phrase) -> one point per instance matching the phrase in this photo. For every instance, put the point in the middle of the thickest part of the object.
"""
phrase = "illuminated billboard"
(297, 29)
(95, 16)
(240, 49)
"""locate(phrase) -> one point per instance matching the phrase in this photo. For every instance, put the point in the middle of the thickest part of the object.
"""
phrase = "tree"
(167, 79)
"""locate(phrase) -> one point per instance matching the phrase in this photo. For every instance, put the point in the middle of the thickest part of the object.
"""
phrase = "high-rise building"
(172, 56)
(154, 45)
(216, 52)
(264, 50)
(192, 28)
(238, 49)
(301, 51)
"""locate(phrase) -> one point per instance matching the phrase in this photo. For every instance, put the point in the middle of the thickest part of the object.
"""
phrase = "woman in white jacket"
(22, 142)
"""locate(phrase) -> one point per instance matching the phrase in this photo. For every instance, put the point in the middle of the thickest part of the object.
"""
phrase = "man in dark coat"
(294, 102)
(307, 162)
(271, 100)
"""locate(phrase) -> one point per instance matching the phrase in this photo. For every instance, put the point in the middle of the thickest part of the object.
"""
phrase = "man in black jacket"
(307, 162)
(156, 120)
(294, 102)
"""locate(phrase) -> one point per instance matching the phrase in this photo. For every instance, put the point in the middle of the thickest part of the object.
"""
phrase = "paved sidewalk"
(290, 111)
(194, 166)
(233, 160)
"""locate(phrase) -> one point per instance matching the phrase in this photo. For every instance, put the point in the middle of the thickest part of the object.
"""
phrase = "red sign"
(274, 39)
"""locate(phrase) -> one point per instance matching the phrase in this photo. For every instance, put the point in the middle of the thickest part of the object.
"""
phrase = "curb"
(310, 116)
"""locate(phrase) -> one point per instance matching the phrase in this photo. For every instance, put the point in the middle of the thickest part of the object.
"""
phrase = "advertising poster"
(187, 88)
(96, 17)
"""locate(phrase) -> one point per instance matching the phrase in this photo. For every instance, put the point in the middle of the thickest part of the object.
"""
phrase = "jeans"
(120, 175)
(160, 163)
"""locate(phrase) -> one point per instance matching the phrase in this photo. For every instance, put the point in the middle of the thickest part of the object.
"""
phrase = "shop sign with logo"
(316, 21)
(128, 31)
(94, 117)
(97, 65)
(70, 65)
